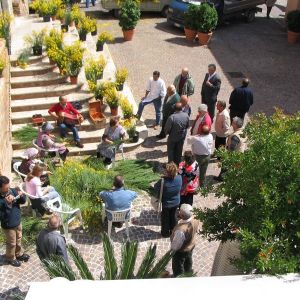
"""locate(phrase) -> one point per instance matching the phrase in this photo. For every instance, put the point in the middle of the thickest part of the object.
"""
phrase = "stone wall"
(5, 124)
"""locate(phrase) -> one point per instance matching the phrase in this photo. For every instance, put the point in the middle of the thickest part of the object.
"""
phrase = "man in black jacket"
(210, 89)
(240, 100)
(10, 216)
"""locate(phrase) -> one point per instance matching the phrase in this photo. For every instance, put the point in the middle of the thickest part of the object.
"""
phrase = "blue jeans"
(87, 3)
(157, 105)
(63, 131)
(52, 194)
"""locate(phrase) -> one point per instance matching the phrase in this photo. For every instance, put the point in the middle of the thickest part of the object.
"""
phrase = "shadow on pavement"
(136, 233)
(146, 218)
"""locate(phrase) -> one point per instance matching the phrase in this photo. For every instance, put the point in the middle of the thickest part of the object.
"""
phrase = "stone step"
(43, 80)
(39, 68)
(32, 59)
(25, 117)
(44, 91)
(45, 103)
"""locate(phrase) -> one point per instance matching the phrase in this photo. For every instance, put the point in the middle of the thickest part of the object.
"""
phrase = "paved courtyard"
(258, 50)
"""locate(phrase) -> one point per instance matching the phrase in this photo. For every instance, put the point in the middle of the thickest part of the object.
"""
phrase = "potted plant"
(85, 25)
(293, 25)
(121, 76)
(2, 65)
(190, 17)
(129, 15)
(23, 58)
(126, 107)
(53, 41)
(36, 41)
(94, 27)
(76, 14)
(45, 9)
(55, 5)
(133, 134)
(103, 38)
(74, 54)
(5, 20)
(60, 14)
(206, 22)
(112, 99)
(94, 69)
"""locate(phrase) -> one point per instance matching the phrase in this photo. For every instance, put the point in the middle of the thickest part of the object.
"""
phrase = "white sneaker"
(108, 166)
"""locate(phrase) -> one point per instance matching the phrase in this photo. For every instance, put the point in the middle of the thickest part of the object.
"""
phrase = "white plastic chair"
(50, 203)
(118, 216)
(67, 216)
(46, 151)
(16, 166)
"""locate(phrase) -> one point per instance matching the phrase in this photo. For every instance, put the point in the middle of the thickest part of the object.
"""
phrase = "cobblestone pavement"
(258, 50)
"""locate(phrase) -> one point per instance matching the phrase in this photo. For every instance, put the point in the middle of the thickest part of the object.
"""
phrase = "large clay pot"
(114, 111)
(293, 37)
(190, 34)
(204, 38)
(74, 79)
(128, 34)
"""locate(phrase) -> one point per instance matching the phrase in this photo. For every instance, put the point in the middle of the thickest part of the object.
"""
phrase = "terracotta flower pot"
(53, 18)
(190, 34)
(114, 111)
(293, 37)
(74, 79)
(204, 38)
(128, 34)
(51, 62)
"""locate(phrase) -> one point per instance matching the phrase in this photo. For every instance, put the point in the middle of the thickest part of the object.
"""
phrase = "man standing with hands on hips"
(210, 89)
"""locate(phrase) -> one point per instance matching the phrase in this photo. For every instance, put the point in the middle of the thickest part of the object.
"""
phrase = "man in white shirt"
(155, 92)
(222, 125)
(183, 241)
(202, 150)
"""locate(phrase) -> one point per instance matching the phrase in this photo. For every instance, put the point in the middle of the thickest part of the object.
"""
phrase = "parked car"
(226, 9)
(161, 6)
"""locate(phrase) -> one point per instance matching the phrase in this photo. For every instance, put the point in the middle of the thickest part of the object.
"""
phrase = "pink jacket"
(206, 121)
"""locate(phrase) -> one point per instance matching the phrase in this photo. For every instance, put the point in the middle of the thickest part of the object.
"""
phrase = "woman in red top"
(202, 119)
(189, 170)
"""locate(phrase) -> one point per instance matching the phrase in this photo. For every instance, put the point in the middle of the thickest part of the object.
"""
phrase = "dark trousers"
(163, 124)
(174, 150)
(235, 113)
(203, 161)
(182, 262)
(220, 142)
(187, 199)
(211, 107)
(168, 220)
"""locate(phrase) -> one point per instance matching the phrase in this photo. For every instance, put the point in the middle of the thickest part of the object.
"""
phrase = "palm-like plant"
(55, 266)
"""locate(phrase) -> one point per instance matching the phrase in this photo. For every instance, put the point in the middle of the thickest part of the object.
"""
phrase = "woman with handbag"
(189, 171)
(170, 198)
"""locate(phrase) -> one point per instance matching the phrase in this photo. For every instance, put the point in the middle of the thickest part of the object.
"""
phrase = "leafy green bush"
(190, 17)
(25, 135)
(293, 20)
(129, 14)
(207, 18)
(262, 187)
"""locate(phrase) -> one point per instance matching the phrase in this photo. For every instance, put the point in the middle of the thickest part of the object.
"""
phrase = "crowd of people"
(183, 175)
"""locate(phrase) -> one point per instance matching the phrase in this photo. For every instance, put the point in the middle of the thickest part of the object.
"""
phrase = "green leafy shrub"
(94, 69)
(121, 76)
(25, 135)
(74, 55)
(129, 14)
(207, 18)
(5, 20)
(262, 187)
(293, 20)
(190, 17)
(104, 37)
(126, 107)
(36, 38)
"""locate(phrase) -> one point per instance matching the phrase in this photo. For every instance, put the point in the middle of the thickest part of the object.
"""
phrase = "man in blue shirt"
(118, 198)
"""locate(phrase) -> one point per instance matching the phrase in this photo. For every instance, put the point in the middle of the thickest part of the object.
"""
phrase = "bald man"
(184, 100)
(50, 241)
(184, 83)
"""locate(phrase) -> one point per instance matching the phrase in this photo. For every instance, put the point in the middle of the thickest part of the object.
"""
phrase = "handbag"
(156, 203)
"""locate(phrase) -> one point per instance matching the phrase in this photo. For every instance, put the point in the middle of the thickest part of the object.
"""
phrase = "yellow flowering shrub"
(74, 54)
(94, 70)
(126, 107)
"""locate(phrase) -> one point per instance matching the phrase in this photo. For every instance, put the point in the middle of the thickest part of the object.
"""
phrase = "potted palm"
(74, 54)
(206, 22)
(293, 25)
(103, 38)
(36, 40)
(190, 17)
(112, 99)
(121, 76)
(129, 15)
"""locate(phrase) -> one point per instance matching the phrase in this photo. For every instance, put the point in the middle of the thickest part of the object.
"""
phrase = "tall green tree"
(55, 266)
(262, 190)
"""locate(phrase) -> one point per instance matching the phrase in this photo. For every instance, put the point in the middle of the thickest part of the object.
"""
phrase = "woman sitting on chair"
(108, 147)
(45, 141)
(29, 160)
(34, 187)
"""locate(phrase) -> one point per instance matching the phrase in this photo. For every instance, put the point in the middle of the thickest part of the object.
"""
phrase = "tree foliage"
(262, 187)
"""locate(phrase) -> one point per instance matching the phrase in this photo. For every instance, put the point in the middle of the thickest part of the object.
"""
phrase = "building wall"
(5, 123)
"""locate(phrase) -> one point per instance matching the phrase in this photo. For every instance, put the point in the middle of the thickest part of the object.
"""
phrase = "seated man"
(50, 241)
(66, 116)
(118, 198)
